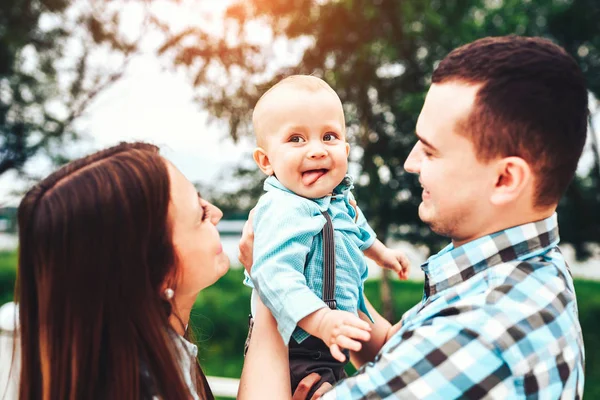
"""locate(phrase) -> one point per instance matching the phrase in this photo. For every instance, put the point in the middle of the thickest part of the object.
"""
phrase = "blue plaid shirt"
(498, 320)
(287, 268)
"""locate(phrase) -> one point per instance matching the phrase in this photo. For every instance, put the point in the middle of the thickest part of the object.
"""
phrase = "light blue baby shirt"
(287, 268)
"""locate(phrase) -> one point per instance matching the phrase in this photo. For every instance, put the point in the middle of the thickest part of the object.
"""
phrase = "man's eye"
(329, 136)
(297, 139)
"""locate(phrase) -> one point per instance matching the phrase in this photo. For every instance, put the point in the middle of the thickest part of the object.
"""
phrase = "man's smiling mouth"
(311, 176)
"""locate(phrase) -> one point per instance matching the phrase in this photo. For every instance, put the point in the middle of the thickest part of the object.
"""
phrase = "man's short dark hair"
(533, 103)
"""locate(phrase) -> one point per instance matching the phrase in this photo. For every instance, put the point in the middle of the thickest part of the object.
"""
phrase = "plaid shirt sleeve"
(434, 361)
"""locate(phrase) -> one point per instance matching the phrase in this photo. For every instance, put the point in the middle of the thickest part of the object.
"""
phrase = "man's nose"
(413, 161)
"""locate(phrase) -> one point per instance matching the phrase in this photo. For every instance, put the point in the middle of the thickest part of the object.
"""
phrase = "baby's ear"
(347, 149)
(262, 160)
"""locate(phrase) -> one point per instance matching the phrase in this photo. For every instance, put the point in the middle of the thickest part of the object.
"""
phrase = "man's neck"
(505, 221)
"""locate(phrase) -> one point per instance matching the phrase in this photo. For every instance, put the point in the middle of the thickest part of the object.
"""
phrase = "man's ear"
(514, 178)
(262, 160)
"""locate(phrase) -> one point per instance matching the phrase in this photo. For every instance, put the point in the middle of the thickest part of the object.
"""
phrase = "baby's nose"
(317, 152)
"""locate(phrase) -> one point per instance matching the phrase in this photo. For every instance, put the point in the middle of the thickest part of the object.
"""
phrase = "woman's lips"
(310, 177)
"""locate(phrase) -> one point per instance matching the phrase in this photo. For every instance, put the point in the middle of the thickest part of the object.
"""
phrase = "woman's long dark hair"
(95, 246)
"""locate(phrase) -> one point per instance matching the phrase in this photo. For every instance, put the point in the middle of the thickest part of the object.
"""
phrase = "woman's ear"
(513, 179)
(262, 160)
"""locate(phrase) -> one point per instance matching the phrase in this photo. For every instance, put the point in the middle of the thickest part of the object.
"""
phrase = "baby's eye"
(329, 136)
(297, 139)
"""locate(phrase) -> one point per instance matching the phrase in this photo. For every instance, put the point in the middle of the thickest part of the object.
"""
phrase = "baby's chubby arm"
(392, 259)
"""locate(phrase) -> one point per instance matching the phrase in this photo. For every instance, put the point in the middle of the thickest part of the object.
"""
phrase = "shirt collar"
(340, 191)
(452, 266)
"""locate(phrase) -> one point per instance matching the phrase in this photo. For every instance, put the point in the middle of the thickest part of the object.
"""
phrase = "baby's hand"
(396, 261)
(343, 330)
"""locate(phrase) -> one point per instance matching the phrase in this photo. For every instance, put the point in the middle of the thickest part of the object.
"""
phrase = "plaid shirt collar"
(452, 266)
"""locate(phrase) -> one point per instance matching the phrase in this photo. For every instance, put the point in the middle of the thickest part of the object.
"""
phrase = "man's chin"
(427, 217)
(424, 214)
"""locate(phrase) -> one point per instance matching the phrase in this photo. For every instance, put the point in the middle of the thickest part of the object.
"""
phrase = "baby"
(300, 132)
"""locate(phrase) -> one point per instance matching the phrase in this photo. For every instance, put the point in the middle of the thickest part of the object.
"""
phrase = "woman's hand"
(246, 243)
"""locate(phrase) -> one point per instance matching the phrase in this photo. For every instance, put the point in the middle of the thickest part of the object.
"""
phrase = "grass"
(220, 318)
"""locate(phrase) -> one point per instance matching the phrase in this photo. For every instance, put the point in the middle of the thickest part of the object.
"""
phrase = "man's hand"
(307, 383)
(393, 329)
(338, 329)
(246, 243)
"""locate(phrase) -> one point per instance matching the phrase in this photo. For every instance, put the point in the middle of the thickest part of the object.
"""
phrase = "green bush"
(8, 271)
(219, 319)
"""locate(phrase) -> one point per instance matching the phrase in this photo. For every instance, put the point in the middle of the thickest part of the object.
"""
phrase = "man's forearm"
(379, 331)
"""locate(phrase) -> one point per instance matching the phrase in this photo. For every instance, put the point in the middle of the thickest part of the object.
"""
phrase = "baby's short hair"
(305, 82)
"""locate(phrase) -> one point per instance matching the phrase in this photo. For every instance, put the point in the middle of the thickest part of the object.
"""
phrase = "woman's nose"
(215, 213)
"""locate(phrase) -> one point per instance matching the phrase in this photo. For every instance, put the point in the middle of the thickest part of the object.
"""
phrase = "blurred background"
(80, 75)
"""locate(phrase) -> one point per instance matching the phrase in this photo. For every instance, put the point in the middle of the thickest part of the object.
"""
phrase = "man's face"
(305, 140)
(456, 186)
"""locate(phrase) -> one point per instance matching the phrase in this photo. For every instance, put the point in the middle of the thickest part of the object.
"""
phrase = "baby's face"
(305, 141)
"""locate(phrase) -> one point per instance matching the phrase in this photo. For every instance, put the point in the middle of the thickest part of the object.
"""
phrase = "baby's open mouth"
(311, 176)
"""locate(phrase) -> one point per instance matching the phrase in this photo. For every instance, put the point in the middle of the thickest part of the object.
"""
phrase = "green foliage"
(8, 272)
(220, 325)
(9, 217)
(46, 75)
(379, 56)
(588, 301)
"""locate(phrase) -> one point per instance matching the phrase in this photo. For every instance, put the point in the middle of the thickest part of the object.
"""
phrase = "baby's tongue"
(310, 177)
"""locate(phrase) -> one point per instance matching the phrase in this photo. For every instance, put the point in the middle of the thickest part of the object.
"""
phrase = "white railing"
(223, 387)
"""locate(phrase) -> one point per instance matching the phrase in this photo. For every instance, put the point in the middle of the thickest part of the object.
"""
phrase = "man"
(500, 134)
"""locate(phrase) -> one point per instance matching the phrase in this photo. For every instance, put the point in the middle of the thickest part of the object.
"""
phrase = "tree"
(47, 77)
(379, 55)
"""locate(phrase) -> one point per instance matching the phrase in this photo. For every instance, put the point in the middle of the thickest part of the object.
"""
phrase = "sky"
(154, 103)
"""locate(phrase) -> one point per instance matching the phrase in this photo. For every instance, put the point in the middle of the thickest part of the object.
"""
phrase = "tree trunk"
(385, 290)
(595, 149)
(386, 296)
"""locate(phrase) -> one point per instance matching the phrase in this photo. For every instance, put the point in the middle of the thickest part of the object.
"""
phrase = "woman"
(114, 249)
